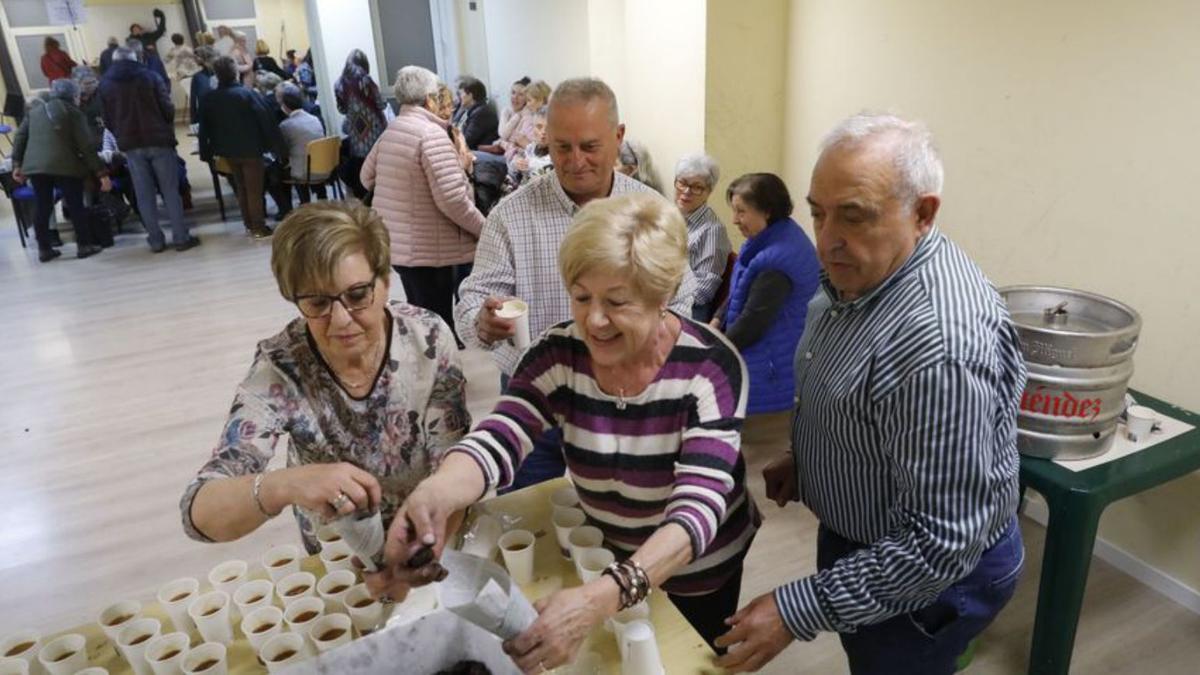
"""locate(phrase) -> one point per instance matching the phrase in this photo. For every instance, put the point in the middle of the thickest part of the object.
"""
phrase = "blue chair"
(24, 203)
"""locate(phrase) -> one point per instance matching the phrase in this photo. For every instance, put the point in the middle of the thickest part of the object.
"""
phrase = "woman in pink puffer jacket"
(423, 196)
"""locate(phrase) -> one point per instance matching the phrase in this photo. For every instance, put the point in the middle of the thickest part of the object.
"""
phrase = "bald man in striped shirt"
(908, 381)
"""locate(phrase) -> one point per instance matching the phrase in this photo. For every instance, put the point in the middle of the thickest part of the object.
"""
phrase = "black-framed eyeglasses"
(356, 298)
(693, 188)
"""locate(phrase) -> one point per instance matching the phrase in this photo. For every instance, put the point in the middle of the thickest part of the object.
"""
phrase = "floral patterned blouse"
(398, 432)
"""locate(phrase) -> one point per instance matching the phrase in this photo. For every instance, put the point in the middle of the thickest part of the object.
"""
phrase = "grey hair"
(918, 164)
(414, 84)
(124, 54)
(699, 165)
(266, 81)
(583, 90)
(64, 88)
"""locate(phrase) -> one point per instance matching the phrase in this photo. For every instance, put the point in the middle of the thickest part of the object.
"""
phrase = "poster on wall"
(65, 12)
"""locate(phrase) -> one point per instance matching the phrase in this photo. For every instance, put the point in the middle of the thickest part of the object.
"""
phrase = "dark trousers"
(248, 177)
(432, 288)
(929, 640)
(281, 193)
(707, 613)
(350, 169)
(72, 194)
(306, 193)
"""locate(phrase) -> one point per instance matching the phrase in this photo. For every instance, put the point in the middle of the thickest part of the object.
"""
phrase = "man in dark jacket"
(476, 116)
(236, 125)
(138, 111)
(106, 56)
(149, 39)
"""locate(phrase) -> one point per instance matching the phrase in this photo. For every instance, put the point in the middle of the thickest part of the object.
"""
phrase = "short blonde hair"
(640, 235)
(261, 47)
(539, 90)
(313, 239)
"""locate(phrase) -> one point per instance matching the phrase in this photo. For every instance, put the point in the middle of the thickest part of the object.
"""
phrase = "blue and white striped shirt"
(904, 437)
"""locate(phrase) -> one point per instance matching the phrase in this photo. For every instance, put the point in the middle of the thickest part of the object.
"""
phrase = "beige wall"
(1067, 132)
(286, 18)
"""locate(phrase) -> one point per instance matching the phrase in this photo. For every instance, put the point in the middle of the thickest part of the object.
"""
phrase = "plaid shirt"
(517, 256)
(708, 250)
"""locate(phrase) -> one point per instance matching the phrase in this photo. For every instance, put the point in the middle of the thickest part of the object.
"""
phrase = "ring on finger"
(340, 501)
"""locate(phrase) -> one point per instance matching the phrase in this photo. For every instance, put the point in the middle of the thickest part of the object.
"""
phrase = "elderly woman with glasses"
(370, 393)
(708, 243)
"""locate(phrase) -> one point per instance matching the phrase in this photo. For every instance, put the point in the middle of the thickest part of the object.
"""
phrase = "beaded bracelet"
(631, 579)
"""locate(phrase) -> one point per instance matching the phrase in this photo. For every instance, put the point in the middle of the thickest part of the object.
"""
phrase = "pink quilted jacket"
(422, 193)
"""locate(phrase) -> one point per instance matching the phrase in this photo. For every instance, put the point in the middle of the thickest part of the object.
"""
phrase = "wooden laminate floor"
(117, 374)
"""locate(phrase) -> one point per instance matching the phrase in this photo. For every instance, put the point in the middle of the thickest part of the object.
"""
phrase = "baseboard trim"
(1174, 589)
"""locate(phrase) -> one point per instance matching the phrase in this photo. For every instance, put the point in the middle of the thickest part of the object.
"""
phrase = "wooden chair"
(321, 157)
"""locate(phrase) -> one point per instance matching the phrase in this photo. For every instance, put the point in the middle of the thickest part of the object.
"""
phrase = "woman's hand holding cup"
(329, 489)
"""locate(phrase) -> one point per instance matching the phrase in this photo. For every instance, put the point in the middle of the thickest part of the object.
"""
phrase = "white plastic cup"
(175, 597)
(280, 561)
(284, 650)
(210, 658)
(326, 535)
(1139, 422)
(302, 614)
(261, 625)
(133, 640)
(294, 587)
(64, 655)
(337, 556)
(331, 631)
(639, 612)
(254, 594)
(228, 576)
(332, 588)
(584, 536)
(28, 642)
(93, 670)
(165, 653)
(365, 611)
(566, 519)
(13, 666)
(115, 617)
(211, 614)
(517, 311)
(564, 498)
(517, 548)
(592, 562)
(484, 535)
(639, 650)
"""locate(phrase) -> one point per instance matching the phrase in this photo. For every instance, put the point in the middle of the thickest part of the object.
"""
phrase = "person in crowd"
(181, 60)
(56, 63)
(264, 61)
(424, 197)
(149, 38)
(337, 380)
(54, 149)
(138, 109)
(466, 158)
(910, 377)
(224, 43)
(362, 104)
(520, 241)
(236, 124)
(306, 76)
(265, 83)
(708, 242)
(534, 160)
(519, 133)
(205, 39)
(656, 460)
(203, 81)
(290, 63)
(773, 280)
(299, 128)
(516, 102)
(107, 54)
(243, 58)
(634, 161)
(476, 115)
(89, 100)
(150, 59)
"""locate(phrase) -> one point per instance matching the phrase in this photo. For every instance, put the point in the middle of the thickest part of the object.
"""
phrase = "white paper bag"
(481, 592)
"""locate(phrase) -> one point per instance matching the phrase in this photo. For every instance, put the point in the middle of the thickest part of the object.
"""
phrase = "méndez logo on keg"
(1059, 403)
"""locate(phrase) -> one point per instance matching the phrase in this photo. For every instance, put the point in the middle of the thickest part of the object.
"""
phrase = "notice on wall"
(65, 12)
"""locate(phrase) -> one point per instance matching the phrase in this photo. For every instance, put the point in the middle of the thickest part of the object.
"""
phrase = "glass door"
(26, 27)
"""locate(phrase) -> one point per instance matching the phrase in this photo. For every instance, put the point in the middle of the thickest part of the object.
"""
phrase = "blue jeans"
(929, 640)
(157, 166)
(545, 462)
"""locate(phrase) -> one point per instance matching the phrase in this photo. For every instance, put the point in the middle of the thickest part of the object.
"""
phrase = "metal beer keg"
(1078, 348)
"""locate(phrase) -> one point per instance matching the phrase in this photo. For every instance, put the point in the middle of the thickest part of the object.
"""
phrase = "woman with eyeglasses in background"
(371, 393)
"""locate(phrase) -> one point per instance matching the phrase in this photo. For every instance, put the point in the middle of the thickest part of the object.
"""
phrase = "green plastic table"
(1076, 499)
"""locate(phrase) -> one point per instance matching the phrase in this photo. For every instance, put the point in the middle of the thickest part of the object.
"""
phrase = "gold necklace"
(369, 379)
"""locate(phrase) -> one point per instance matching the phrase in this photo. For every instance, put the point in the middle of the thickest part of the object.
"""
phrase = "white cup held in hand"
(337, 556)
(210, 658)
(1140, 422)
(284, 650)
(23, 645)
(254, 594)
(115, 617)
(133, 640)
(639, 612)
(11, 666)
(566, 519)
(639, 650)
(331, 631)
(592, 562)
(293, 587)
(484, 535)
(280, 561)
(165, 653)
(326, 535)
(332, 588)
(65, 655)
(517, 548)
(365, 611)
(261, 625)
(211, 614)
(228, 576)
(517, 311)
(175, 597)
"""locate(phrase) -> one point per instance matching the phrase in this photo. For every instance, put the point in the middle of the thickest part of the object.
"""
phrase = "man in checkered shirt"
(517, 255)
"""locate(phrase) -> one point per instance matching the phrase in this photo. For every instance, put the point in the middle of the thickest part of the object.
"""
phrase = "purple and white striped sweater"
(671, 454)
